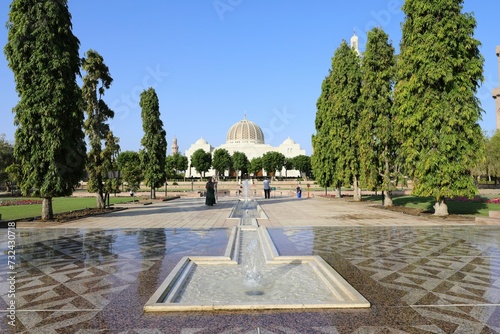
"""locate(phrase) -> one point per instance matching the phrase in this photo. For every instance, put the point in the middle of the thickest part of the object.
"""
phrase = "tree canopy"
(6, 157)
(154, 142)
(439, 71)
(49, 141)
(273, 161)
(221, 161)
(129, 163)
(255, 165)
(201, 161)
(240, 162)
(302, 163)
(181, 162)
(376, 137)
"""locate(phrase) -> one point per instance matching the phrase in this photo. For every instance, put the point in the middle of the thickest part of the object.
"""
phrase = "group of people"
(211, 187)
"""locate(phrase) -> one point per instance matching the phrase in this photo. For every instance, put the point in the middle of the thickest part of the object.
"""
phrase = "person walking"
(267, 188)
(210, 197)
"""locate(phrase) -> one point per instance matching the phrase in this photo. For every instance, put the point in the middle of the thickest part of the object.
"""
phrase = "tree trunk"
(100, 200)
(440, 208)
(47, 212)
(387, 181)
(338, 190)
(388, 198)
(357, 190)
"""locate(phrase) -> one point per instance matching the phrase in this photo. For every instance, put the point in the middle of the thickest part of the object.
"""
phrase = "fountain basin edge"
(343, 295)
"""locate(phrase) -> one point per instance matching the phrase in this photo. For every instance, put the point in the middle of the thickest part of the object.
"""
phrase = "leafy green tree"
(6, 158)
(239, 162)
(287, 165)
(481, 169)
(323, 171)
(13, 172)
(49, 141)
(201, 161)
(376, 137)
(95, 82)
(221, 161)
(492, 156)
(129, 163)
(439, 71)
(336, 154)
(255, 165)
(302, 163)
(181, 162)
(113, 179)
(154, 154)
(170, 171)
(273, 161)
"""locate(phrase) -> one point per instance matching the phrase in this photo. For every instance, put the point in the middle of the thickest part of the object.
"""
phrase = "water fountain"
(252, 275)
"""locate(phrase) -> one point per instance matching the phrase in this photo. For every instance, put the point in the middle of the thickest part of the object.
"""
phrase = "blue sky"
(213, 61)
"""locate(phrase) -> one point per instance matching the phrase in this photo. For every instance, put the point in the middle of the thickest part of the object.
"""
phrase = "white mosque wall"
(288, 148)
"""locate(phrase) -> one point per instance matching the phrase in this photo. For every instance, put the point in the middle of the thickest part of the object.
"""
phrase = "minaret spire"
(355, 43)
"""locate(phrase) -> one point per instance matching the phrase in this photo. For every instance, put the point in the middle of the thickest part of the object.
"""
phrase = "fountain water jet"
(252, 275)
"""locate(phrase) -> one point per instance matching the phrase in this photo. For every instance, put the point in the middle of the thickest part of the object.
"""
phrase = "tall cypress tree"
(322, 160)
(439, 71)
(376, 138)
(95, 82)
(154, 154)
(335, 144)
(49, 141)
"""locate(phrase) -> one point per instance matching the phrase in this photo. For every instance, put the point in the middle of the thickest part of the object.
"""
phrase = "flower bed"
(475, 199)
(20, 202)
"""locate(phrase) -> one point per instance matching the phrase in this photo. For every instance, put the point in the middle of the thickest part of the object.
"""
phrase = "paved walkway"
(281, 212)
(94, 275)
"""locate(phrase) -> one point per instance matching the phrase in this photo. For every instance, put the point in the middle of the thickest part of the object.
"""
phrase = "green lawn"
(427, 203)
(60, 204)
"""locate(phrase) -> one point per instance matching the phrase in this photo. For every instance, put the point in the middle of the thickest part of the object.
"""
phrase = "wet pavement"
(94, 275)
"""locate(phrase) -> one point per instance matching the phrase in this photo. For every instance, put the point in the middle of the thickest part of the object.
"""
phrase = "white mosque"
(246, 137)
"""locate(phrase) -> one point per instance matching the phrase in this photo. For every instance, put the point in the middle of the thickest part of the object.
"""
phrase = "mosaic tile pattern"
(419, 280)
(450, 275)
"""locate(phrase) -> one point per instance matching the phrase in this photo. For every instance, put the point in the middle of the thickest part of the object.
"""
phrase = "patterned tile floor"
(419, 279)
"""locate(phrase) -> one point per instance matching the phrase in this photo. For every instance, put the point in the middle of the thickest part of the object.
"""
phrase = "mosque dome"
(200, 142)
(245, 132)
(289, 141)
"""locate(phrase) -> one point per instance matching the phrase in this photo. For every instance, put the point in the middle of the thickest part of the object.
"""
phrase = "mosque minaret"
(175, 147)
(355, 43)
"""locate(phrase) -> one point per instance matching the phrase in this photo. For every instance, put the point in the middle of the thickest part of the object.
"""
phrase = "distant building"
(175, 147)
(246, 137)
